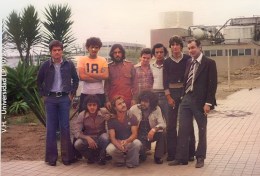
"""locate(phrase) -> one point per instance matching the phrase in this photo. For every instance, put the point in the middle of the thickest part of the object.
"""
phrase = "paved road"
(233, 148)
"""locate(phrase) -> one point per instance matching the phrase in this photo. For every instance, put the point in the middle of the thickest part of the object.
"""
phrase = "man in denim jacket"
(57, 81)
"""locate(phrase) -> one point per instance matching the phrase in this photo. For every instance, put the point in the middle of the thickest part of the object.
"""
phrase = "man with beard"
(124, 147)
(151, 125)
(121, 76)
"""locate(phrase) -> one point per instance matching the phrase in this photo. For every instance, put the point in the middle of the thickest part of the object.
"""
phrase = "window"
(219, 53)
(241, 52)
(234, 52)
(247, 52)
(213, 53)
(207, 53)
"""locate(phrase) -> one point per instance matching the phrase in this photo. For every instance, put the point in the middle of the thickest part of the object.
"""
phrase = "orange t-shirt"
(95, 66)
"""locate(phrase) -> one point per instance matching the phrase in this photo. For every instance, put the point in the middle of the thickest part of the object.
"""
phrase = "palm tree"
(24, 31)
(58, 26)
(14, 32)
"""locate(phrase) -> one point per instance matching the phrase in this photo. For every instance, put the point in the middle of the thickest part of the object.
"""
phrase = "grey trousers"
(131, 158)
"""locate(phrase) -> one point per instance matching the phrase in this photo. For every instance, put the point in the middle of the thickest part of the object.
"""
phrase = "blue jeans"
(57, 111)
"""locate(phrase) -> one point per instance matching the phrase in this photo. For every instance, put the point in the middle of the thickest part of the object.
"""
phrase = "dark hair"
(176, 39)
(149, 96)
(197, 41)
(115, 46)
(94, 41)
(113, 103)
(55, 43)
(146, 51)
(159, 45)
(91, 99)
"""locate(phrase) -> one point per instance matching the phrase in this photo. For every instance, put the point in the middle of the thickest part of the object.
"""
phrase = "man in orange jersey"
(92, 70)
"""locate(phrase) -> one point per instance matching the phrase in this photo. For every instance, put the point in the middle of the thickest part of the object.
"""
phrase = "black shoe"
(108, 157)
(170, 158)
(67, 163)
(142, 157)
(191, 158)
(102, 162)
(90, 161)
(177, 162)
(200, 163)
(158, 160)
(52, 163)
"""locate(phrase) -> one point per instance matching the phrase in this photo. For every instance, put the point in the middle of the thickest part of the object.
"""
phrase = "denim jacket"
(45, 78)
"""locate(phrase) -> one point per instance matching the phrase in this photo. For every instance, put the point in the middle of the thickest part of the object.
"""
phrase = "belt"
(176, 85)
(57, 94)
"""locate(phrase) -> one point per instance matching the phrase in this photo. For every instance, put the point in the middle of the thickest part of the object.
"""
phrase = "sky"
(132, 20)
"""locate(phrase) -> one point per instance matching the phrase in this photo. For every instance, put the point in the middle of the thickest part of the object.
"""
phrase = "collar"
(176, 59)
(87, 114)
(52, 63)
(199, 58)
(154, 64)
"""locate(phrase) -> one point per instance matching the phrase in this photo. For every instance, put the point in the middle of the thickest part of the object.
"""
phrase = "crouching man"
(151, 125)
(90, 131)
(124, 147)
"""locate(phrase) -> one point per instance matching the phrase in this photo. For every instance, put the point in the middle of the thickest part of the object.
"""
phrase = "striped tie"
(190, 77)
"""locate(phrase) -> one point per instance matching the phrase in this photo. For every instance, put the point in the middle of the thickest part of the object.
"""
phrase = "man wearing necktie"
(199, 98)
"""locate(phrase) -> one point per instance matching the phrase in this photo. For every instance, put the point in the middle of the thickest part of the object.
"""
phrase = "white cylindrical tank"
(176, 19)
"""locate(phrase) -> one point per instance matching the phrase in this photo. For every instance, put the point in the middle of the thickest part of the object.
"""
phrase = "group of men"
(144, 100)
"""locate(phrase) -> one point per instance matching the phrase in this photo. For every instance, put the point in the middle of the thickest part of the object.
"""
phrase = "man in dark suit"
(199, 98)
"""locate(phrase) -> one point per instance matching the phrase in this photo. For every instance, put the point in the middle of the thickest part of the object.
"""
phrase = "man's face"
(93, 50)
(159, 54)
(145, 59)
(117, 55)
(144, 104)
(176, 48)
(92, 107)
(194, 50)
(56, 53)
(120, 105)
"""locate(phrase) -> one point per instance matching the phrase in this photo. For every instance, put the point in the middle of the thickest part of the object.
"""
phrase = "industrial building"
(233, 45)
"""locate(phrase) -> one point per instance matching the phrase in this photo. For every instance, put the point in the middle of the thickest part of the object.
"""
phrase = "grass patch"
(23, 119)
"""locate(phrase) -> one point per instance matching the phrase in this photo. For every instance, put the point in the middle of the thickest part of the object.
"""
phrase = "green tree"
(24, 31)
(58, 26)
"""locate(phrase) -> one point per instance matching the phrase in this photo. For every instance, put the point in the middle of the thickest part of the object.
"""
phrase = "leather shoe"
(177, 162)
(191, 158)
(102, 162)
(158, 160)
(200, 163)
(52, 163)
(170, 158)
(67, 163)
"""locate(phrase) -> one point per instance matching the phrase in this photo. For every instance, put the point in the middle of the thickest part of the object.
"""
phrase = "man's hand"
(133, 102)
(171, 101)
(108, 105)
(121, 145)
(151, 134)
(92, 144)
(71, 97)
(206, 109)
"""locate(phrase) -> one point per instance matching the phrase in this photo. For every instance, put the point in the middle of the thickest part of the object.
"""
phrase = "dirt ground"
(27, 141)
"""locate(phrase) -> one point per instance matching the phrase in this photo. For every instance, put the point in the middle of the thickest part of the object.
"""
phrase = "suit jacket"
(205, 82)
